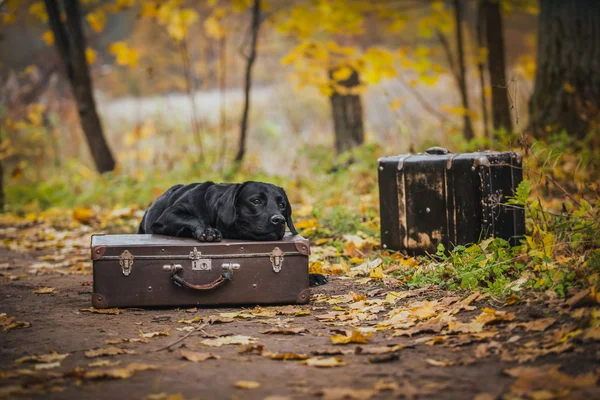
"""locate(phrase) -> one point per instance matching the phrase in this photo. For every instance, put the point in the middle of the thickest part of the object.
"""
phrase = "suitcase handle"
(225, 277)
(436, 150)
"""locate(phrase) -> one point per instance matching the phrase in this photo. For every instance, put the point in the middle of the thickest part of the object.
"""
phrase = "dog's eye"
(281, 205)
(256, 201)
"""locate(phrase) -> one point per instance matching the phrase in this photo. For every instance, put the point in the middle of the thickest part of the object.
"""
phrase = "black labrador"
(209, 212)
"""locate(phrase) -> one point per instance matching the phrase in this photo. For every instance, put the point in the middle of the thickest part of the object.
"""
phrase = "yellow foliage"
(377, 273)
(342, 73)
(355, 337)
(396, 103)
(90, 55)
(48, 37)
(37, 9)
(97, 20)
(124, 55)
(482, 55)
(34, 113)
(568, 88)
(213, 24)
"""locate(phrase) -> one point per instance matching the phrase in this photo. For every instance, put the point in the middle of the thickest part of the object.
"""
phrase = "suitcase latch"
(199, 264)
(126, 262)
(276, 259)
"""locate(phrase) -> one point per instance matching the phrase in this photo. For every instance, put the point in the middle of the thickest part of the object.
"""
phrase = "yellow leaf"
(482, 55)
(90, 55)
(235, 339)
(194, 356)
(44, 358)
(35, 113)
(396, 103)
(97, 20)
(247, 384)
(45, 290)
(324, 362)
(377, 273)
(569, 88)
(342, 73)
(149, 9)
(37, 9)
(355, 337)
(124, 55)
(83, 214)
(48, 37)
(107, 351)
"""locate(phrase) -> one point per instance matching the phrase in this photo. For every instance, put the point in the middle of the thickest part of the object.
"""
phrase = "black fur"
(210, 212)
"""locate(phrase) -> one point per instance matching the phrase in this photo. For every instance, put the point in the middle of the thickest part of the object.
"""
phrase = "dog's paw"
(208, 235)
(316, 280)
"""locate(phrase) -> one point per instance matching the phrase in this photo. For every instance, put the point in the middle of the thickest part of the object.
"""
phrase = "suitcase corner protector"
(303, 297)
(302, 246)
(98, 252)
(99, 301)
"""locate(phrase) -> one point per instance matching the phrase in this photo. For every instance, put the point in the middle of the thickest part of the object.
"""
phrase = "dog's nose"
(277, 219)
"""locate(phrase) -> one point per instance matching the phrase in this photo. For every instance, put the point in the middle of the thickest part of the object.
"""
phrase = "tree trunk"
(468, 126)
(251, 57)
(2, 204)
(566, 95)
(480, 26)
(347, 116)
(497, 66)
(70, 41)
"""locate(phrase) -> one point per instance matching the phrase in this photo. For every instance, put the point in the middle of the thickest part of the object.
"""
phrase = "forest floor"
(419, 343)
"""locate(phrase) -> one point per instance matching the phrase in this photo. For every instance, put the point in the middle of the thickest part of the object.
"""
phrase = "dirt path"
(439, 362)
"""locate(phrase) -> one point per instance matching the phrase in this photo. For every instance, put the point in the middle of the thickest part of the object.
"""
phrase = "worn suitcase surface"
(154, 270)
(453, 199)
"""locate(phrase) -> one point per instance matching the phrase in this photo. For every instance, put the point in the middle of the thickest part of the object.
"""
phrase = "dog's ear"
(288, 213)
(222, 206)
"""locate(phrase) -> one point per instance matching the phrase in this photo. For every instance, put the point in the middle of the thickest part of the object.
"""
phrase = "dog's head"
(252, 210)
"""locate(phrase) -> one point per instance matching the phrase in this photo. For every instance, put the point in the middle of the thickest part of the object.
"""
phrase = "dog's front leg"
(175, 221)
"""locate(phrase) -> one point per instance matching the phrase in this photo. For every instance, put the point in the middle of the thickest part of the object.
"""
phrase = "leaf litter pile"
(364, 335)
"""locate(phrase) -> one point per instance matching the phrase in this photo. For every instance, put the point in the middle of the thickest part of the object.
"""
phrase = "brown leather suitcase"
(154, 270)
(451, 199)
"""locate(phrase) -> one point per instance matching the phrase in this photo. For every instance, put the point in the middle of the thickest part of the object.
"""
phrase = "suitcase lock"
(199, 264)
(276, 259)
(126, 262)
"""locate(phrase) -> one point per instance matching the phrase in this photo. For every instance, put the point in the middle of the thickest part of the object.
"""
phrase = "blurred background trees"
(206, 88)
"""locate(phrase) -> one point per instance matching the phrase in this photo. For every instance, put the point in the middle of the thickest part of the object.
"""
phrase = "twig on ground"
(196, 329)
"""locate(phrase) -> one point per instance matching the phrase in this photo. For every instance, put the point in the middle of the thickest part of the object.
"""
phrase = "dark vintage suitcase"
(154, 270)
(453, 199)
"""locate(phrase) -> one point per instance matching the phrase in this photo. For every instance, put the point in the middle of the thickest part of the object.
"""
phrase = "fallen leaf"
(490, 315)
(537, 325)
(547, 378)
(285, 356)
(355, 336)
(192, 310)
(118, 373)
(512, 299)
(107, 351)
(285, 331)
(324, 362)
(424, 310)
(101, 310)
(215, 319)
(9, 323)
(45, 290)
(247, 384)
(83, 215)
(44, 358)
(377, 349)
(346, 393)
(104, 363)
(194, 356)
(235, 339)
(153, 334)
(440, 363)
(578, 297)
(592, 334)
(55, 364)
